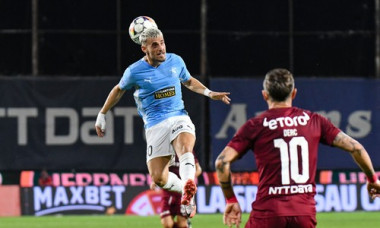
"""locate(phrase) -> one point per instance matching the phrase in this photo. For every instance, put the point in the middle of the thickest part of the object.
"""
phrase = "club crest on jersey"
(164, 93)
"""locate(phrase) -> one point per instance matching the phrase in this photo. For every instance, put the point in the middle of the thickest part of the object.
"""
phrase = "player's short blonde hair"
(149, 33)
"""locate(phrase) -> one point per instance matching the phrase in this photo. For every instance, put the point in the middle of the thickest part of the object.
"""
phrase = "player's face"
(155, 50)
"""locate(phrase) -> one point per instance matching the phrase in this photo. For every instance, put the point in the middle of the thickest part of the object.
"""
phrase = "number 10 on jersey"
(289, 157)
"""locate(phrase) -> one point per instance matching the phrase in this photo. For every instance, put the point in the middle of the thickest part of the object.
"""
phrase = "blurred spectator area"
(215, 38)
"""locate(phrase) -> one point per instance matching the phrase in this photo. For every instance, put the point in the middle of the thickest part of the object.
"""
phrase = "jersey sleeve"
(126, 82)
(184, 74)
(328, 130)
(242, 140)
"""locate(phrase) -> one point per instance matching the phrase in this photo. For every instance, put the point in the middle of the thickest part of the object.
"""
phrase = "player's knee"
(183, 149)
(159, 180)
(184, 143)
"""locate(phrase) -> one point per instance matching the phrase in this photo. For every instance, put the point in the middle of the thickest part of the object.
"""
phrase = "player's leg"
(175, 210)
(189, 223)
(159, 170)
(183, 140)
(159, 154)
(167, 221)
(183, 145)
(181, 222)
(169, 204)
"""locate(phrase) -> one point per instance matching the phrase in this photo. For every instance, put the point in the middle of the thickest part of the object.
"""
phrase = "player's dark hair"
(279, 83)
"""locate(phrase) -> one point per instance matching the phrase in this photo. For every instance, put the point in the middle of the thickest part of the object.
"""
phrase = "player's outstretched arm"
(196, 86)
(361, 157)
(232, 213)
(112, 99)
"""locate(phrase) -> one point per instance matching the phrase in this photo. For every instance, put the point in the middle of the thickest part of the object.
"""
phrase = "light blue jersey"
(157, 93)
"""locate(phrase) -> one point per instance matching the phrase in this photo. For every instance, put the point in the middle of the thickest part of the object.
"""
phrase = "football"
(138, 25)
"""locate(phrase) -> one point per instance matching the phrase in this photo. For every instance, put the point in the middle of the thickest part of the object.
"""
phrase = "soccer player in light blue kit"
(157, 79)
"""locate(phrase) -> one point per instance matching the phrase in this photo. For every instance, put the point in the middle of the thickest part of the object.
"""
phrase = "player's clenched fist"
(374, 188)
(100, 124)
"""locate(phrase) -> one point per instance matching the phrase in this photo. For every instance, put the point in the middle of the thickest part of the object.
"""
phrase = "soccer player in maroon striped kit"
(284, 140)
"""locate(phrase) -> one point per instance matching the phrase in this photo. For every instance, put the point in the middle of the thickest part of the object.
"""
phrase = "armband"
(232, 199)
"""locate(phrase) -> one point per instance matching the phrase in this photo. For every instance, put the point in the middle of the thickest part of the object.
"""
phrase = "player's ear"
(294, 93)
(265, 94)
(143, 48)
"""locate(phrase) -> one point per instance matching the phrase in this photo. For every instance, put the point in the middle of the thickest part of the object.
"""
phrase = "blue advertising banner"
(353, 105)
(331, 197)
(49, 123)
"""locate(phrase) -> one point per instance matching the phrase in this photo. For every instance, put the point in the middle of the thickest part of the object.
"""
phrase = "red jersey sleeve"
(243, 139)
(328, 130)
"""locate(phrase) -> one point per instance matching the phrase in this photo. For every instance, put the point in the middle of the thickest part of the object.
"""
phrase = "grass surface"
(325, 220)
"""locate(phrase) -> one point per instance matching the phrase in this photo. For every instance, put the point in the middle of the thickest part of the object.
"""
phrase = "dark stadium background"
(216, 38)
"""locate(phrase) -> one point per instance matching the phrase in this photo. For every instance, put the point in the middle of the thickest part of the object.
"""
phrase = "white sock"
(174, 183)
(187, 166)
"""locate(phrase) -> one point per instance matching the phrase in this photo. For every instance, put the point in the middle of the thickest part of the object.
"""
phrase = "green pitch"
(325, 220)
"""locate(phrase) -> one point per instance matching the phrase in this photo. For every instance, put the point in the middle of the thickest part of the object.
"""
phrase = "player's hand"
(373, 189)
(222, 96)
(232, 215)
(100, 124)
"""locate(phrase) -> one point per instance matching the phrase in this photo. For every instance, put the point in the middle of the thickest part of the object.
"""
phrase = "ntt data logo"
(50, 200)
